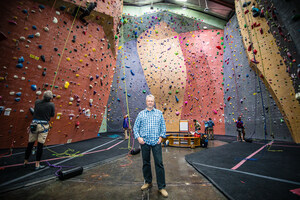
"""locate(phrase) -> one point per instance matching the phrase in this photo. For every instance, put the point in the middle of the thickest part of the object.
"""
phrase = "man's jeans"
(159, 167)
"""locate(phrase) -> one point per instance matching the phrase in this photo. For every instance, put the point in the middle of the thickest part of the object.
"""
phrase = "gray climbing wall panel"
(137, 88)
(246, 95)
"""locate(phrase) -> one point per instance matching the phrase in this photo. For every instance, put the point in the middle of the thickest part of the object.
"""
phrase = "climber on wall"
(39, 127)
(85, 11)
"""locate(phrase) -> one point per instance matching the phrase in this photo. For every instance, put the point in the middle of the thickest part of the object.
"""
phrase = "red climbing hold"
(261, 31)
(254, 51)
(218, 47)
(254, 61)
(228, 99)
(250, 47)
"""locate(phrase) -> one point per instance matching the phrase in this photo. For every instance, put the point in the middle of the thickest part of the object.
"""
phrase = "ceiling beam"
(223, 3)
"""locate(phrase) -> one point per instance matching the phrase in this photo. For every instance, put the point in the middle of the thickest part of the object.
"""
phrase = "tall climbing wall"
(37, 55)
(246, 95)
(165, 71)
(128, 71)
(172, 57)
(264, 56)
(203, 52)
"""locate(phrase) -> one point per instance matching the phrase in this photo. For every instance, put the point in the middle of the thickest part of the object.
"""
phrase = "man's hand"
(159, 140)
(141, 140)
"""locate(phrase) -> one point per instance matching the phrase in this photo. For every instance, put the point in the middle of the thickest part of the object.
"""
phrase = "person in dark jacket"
(39, 127)
(85, 11)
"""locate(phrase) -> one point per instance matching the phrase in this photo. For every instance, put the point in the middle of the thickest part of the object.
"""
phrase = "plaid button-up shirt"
(150, 125)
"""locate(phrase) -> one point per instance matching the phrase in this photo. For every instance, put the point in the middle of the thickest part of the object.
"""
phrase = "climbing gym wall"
(41, 49)
(246, 95)
(266, 59)
(178, 61)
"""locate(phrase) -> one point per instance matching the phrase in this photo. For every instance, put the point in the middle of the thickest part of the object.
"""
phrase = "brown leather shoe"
(163, 192)
(146, 186)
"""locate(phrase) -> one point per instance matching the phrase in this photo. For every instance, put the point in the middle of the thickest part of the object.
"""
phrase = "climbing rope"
(54, 79)
(124, 73)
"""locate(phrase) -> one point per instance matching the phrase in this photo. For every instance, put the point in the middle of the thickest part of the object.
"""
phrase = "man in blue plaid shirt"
(149, 129)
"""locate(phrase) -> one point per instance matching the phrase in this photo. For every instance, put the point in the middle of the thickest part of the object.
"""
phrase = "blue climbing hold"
(177, 100)
(127, 66)
(25, 11)
(41, 7)
(40, 46)
(18, 94)
(62, 8)
(34, 27)
(132, 72)
(20, 65)
(247, 75)
(123, 78)
(97, 76)
(30, 36)
(118, 99)
(128, 95)
(20, 60)
(33, 87)
(17, 99)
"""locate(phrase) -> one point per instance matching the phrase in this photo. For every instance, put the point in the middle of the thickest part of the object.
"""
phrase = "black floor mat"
(269, 174)
(95, 150)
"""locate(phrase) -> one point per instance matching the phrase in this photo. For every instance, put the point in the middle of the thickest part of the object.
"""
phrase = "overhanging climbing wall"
(174, 59)
(246, 95)
(269, 65)
(37, 33)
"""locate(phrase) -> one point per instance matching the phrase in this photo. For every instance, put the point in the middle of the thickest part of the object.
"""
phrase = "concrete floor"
(122, 179)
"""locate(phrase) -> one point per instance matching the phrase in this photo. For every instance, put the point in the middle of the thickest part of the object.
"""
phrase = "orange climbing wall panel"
(85, 57)
(270, 67)
(165, 71)
(204, 96)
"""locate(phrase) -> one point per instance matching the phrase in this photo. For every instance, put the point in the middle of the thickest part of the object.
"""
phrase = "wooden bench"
(186, 140)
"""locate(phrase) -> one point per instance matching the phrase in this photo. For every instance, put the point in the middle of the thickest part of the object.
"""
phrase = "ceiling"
(223, 9)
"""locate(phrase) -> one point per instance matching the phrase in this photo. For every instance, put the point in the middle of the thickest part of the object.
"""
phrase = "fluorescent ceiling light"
(181, 0)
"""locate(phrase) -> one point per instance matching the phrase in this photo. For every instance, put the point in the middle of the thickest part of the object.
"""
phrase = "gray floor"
(122, 179)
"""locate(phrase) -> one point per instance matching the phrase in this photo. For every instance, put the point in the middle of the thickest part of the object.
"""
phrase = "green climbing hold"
(170, 92)
(222, 38)
(222, 43)
(177, 91)
(245, 25)
(144, 91)
(116, 37)
(218, 33)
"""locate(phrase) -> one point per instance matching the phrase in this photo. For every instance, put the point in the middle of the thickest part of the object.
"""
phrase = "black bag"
(33, 127)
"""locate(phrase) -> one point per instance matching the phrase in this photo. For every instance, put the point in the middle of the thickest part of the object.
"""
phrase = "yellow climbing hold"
(77, 75)
(80, 60)
(120, 47)
(67, 84)
(94, 50)
(68, 59)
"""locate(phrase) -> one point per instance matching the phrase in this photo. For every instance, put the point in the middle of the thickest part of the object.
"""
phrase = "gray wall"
(243, 84)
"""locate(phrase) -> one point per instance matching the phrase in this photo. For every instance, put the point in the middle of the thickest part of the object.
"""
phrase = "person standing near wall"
(240, 129)
(197, 125)
(125, 126)
(39, 127)
(149, 129)
(211, 125)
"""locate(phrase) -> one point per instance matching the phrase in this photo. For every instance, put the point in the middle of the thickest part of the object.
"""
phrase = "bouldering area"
(76, 77)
